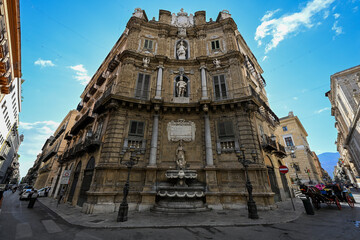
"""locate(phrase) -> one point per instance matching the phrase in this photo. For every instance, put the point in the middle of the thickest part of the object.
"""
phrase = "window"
(136, 128)
(220, 87)
(148, 44)
(225, 129)
(289, 141)
(142, 88)
(284, 128)
(215, 45)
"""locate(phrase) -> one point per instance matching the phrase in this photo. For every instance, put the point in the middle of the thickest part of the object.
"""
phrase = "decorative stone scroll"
(181, 130)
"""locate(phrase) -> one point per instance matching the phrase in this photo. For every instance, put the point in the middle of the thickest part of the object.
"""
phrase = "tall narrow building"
(344, 97)
(187, 96)
(301, 161)
(10, 87)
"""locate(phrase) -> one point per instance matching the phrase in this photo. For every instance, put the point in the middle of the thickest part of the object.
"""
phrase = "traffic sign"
(283, 169)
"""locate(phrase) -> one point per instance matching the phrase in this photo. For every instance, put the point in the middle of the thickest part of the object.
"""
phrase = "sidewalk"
(73, 215)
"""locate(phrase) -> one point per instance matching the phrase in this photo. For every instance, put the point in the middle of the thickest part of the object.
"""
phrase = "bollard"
(308, 206)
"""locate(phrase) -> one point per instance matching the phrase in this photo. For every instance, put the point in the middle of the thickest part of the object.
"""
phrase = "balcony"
(113, 64)
(268, 144)
(82, 122)
(281, 151)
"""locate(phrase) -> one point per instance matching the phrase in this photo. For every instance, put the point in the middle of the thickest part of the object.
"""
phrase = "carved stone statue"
(181, 87)
(181, 50)
(180, 156)
(217, 63)
(146, 62)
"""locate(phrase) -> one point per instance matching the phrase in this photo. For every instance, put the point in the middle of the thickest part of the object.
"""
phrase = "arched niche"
(178, 85)
(186, 45)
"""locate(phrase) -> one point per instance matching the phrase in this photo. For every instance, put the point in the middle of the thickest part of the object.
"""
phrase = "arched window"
(91, 164)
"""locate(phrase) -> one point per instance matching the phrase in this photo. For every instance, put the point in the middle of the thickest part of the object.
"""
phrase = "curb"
(297, 214)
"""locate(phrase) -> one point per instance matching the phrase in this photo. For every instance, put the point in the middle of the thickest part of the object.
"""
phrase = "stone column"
(203, 83)
(208, 145)
(159, 82)
(154, 139)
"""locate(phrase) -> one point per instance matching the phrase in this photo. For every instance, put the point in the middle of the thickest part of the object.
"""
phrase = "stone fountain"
(182, 193)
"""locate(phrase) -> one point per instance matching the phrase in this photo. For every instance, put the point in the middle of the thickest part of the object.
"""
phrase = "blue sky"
(299, 44)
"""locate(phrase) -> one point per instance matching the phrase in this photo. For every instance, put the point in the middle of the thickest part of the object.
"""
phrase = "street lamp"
(251, 203)
(124, 207)
(295, 166)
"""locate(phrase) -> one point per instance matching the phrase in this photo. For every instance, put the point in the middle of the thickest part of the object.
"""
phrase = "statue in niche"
(180, 156)
(181, 86)
(217, 63)
(146, 62)
(181, 50)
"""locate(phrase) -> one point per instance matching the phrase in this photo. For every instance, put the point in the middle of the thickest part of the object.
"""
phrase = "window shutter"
(229, 130)
(217, 87)
(223, 86)
(213, 45)
(140, 128)
(146, 43)
(133, 127)
(221, 129)
(139, 85)
(150, 44)
(146, 85)
(217, 44)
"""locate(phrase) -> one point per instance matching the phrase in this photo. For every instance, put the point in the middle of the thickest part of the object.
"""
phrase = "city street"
(19, 222)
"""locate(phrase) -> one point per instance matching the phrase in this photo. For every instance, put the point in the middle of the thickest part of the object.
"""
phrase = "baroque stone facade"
(179, 82)
(344, 97)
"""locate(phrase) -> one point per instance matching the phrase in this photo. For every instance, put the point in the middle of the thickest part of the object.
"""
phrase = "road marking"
(51, 226)
(23, 230)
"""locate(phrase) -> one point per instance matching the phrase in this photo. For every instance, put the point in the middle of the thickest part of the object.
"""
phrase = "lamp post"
(124, 207)
(295, 166)
(252, 209)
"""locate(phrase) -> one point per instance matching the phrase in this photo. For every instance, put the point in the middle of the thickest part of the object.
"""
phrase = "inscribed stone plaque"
(181, 130)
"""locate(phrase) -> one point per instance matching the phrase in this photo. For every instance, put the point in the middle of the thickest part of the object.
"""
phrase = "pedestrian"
(47, 191)
(33, 196)
(61, 195)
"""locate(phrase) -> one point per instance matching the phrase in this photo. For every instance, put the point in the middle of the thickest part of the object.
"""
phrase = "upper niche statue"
(181, 50)
(181, 87)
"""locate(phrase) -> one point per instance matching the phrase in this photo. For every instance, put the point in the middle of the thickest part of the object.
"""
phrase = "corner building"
(176, 81)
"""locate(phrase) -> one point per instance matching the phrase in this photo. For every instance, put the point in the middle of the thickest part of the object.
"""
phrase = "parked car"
(24, 189)
(42, 191)
(25, 195)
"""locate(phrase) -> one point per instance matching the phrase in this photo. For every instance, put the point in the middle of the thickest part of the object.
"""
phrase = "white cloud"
(44, 63)
(264, 58)
(81, 74)
(338, 30)
(295, 98)
(269, 14)
(326, 14)
(28, 126)
(355, 9)
(322, 110)
(336, 15)
(35, 134)
(279, 28)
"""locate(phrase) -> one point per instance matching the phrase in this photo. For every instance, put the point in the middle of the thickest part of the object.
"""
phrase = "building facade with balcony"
(10, 84)
(300, 159)
(179, 82)
(344, 97)
(49, 170)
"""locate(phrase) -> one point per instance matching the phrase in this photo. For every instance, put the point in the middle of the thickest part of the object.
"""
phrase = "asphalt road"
(19, 222)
